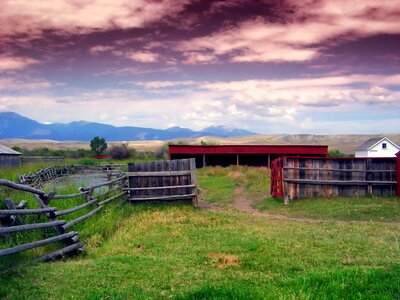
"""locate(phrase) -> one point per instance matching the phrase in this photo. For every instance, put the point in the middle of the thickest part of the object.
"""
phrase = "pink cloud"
(30, 18)
(142, 56)
(199, 58)
(10, 62)
(313, 25)
(12, 83)
(100, 49)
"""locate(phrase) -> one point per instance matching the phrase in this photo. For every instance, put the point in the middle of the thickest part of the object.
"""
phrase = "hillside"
(345, 143)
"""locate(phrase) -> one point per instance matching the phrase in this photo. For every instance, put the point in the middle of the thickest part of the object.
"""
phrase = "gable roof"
(7, 150)
(372, 142)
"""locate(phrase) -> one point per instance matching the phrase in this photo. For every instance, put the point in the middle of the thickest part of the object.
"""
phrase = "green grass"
(218, 184)
(169, 251)
(180, 252)
(361, 208)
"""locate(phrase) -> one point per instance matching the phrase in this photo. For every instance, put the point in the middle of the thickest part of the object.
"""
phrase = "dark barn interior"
(249, 155)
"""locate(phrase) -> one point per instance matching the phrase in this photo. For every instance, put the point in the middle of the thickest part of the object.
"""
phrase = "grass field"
(180, 252)
(347, 209)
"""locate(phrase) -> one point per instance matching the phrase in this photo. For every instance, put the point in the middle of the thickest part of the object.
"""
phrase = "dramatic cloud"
(267, 66)
(300, 38)
(139, 56)
(9, 62)
(32, 18)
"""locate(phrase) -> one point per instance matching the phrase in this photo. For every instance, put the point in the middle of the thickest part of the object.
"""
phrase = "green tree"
(98, 145)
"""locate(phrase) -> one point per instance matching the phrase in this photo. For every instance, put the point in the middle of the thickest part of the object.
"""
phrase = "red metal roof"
(250, 149)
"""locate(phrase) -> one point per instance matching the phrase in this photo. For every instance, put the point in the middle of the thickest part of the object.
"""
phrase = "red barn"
(251, 155)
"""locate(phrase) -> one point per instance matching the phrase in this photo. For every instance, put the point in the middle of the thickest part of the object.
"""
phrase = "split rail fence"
(37, 178)
(304, 177)
(16, 218)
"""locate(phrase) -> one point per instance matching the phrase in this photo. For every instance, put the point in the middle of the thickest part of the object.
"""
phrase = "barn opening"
(249, 155)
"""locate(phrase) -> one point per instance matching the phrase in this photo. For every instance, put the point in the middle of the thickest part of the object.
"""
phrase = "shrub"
(120, 151)
(87, 161)
(336, 153)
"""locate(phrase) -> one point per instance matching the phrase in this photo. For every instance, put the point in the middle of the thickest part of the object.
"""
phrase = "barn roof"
(372, 142)
(7, 150)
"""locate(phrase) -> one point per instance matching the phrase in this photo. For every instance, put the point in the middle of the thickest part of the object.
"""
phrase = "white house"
(378, 147)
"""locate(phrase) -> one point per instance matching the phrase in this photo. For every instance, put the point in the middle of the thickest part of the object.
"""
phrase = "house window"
(384, 146)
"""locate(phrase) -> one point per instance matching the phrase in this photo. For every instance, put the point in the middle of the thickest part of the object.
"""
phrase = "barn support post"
(204, 160)
(269, 161)
(398, 174)
(237, 159)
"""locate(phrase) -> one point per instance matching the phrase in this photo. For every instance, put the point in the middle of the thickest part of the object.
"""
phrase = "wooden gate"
(162, 180)
(277, 178)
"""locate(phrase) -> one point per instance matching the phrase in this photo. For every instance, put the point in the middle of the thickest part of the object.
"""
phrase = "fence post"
(192, 163)
(398, 174)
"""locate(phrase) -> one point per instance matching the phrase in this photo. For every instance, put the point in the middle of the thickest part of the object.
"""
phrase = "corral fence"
(37, 178)
(162, 181)
(152, 181)
(304, 177)
(17, 218)
(33, 159)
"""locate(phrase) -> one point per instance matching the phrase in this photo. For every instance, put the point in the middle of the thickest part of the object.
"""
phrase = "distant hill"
(13, 125)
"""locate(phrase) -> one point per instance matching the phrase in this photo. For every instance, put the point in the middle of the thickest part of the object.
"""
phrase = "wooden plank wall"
(9, 161)
(329, 177)
(162, 180)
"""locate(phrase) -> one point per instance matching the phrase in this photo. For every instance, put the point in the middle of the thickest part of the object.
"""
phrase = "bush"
(336, 153)
(120, 151)
(87, 161)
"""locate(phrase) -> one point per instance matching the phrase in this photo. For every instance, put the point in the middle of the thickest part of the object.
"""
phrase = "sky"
(272, 67)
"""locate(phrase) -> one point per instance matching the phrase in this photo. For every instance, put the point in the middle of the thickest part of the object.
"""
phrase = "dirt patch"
(223, 260)
(235, 175)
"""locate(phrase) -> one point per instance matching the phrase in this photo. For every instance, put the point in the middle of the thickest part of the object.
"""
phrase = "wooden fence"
(13, 219)
(302, 177)
(32, 159)
(162, 181)
(37, 178)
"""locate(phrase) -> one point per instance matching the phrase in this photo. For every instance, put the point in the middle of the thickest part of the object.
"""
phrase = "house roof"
(7, 150)
(372, 142)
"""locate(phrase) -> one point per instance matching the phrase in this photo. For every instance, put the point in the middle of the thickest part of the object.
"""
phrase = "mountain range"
(13, 125)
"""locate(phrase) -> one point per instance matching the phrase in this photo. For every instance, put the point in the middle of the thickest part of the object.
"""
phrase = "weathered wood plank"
(339, 182)
(341, 170)
(112, 198)
(73, 209)
(61, 252)
(21, 187)
(10, 212)
(26, 227)
(103, 184)
(172, 197)
(70, 195)
(149, 174)
(107, 192)
(81, 218)
(160, 187)
(36, 244)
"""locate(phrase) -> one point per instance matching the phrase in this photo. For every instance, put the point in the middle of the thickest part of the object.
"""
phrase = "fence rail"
(12, 219)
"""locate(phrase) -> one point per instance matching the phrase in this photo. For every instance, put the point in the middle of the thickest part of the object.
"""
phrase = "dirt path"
(244, 203)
